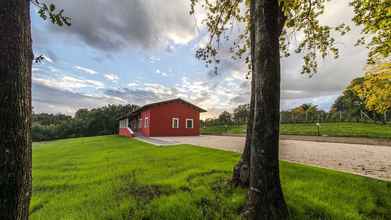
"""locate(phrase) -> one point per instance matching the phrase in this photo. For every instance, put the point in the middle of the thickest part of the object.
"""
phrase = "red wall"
(125, 132)
(161, 120)
(143, 130)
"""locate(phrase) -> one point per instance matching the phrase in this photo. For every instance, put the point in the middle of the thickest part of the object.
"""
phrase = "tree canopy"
(375, 88)
(296, 17)
(348, 101)
(305, 108)
(86, 122)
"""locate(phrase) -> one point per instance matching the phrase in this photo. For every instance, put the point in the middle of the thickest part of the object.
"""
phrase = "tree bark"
(15, 109)
(241, 172)
(266, 200)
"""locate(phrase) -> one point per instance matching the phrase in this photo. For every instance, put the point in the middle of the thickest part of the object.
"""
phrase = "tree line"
(96, 121)
(366, 98)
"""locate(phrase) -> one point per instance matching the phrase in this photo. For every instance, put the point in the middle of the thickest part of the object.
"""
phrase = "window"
(146, 122)
(175, 123)
(189, 123)
(123, 123)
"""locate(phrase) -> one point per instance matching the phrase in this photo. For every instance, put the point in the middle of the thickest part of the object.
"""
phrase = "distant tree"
(241, 113)
(81, 113)
(211, 121)
(375, 88)
(305, 108)
(47, 119)
(370, 94)
(349, 102)
(225, 118)
(97, 121)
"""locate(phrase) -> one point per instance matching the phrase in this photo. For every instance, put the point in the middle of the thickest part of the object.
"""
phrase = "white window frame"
(192, 122)
(122, 123)
(172, 122)
(146, 122)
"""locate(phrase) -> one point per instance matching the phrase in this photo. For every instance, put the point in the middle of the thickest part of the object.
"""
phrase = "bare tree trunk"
(15, 109)
(266, 200)
(241, 172)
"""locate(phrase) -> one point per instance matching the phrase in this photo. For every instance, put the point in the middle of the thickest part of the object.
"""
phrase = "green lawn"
(344, 129)
(111, 177)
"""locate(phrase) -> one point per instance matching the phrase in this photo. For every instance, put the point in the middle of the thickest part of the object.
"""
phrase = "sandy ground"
(368, 160)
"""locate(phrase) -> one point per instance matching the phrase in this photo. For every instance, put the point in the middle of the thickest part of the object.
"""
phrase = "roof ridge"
(161, 102)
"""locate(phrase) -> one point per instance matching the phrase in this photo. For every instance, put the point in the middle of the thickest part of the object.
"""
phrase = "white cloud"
(153, 59)
(112, 77)
(161, 73)
(146, 23)
(133, 84)
(51, 99)
(68, 83)
(159, 89)
(47, 58)
(86, 70)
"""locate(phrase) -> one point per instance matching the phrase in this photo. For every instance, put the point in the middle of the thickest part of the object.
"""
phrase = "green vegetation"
(111, 177)
(86, 122)
(340, 129)
(343, 129)
(224, 129)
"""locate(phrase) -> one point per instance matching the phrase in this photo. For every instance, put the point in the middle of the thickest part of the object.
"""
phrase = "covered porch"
(135, 122)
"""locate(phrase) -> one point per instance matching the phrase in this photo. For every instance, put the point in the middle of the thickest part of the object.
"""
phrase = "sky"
(143, 51)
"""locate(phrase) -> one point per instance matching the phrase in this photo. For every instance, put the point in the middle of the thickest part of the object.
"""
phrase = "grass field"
(111, 177)
(343, 129)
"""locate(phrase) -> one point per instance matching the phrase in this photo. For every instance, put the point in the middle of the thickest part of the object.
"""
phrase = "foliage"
(241, 113)
(375, 17)
(49, 10)
(97, 121)
(295, 16)
(375, 89)
(225, 117)
(336, 129)
(370, 94)
(48, 119)
(349, 101)
(117, 178)
(305, 108)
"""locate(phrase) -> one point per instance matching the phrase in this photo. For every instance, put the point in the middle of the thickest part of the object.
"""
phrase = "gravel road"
(368, 160)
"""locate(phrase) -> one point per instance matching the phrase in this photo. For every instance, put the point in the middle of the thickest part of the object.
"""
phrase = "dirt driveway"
(369, 160)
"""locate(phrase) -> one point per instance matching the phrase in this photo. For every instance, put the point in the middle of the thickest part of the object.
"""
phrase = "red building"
(174, 117)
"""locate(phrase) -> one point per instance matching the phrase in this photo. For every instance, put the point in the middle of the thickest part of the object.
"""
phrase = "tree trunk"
(266, 199)
(241, 172)
(15, 109)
